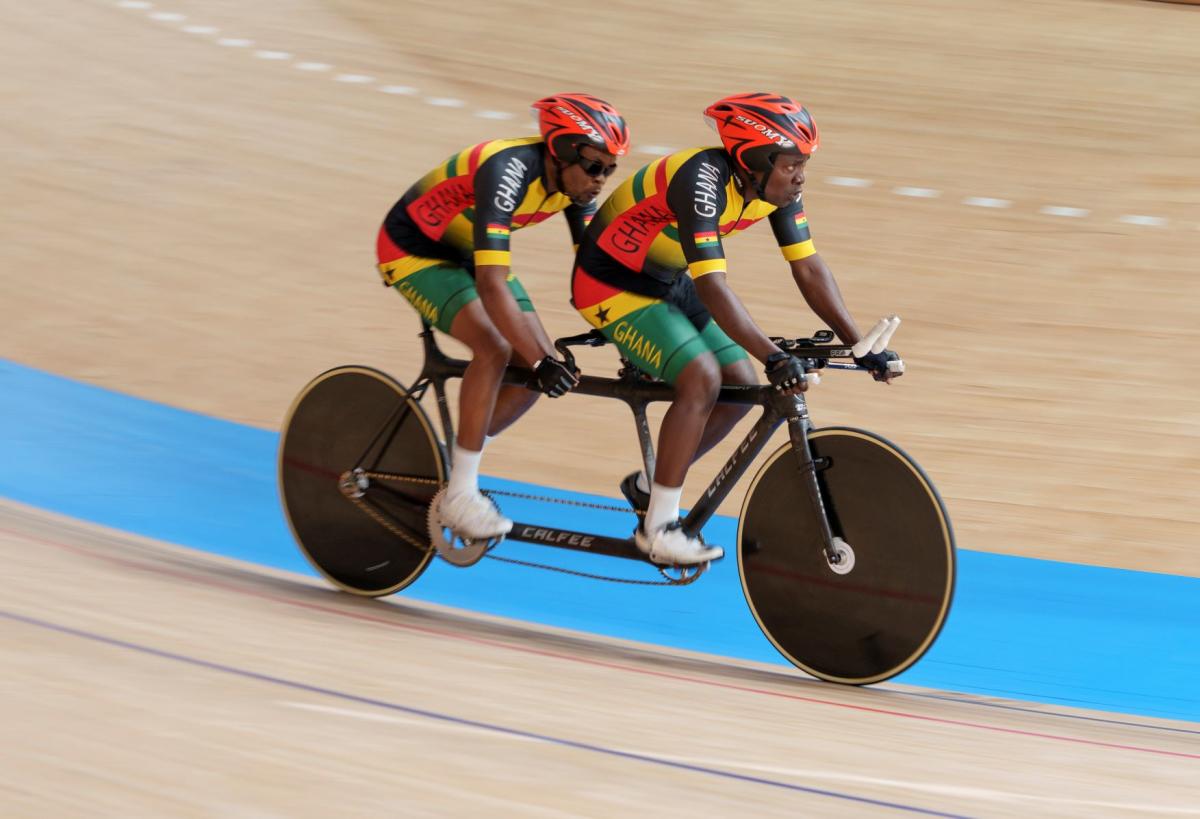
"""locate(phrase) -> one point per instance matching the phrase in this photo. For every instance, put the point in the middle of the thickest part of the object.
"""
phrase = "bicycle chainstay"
(683, 580)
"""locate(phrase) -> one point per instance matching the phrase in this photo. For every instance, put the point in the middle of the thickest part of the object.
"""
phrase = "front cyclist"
(651, 276)
(445, 247)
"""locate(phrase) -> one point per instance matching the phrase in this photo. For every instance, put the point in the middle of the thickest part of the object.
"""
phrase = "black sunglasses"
(595, 168)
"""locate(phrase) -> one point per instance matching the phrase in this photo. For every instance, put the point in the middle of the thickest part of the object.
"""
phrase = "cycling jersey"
(671, 216)
(668, 218)
(465, 209)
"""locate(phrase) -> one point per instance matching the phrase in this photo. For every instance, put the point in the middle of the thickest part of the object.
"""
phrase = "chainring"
(455, 550)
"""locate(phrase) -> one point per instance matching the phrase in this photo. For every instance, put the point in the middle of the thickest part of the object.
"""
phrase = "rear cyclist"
(445, 247)
(651, 276)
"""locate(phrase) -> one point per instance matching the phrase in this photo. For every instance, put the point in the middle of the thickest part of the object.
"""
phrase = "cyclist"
(651, 276)
(445, 247)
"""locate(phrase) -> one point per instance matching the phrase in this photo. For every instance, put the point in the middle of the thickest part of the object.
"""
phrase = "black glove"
(877, 363)
(552, 377)
(784, 371)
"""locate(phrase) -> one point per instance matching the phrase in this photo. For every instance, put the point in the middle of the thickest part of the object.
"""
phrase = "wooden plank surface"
(142, 679)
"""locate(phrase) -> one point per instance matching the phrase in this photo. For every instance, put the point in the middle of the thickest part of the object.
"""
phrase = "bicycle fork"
(799, 425)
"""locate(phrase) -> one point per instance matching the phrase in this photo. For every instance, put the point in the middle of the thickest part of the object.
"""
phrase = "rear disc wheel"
(365, 533)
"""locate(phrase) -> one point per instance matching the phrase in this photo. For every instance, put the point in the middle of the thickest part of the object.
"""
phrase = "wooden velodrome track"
(193, 222)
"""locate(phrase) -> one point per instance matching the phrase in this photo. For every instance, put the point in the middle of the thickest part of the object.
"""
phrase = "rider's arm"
(810, 272)
(819, 289)
(492, 283)
(500, 184)
(697, 195)
(732, 317)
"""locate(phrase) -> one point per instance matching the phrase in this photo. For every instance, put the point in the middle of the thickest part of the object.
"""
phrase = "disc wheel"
(366, 534)
(871, 621)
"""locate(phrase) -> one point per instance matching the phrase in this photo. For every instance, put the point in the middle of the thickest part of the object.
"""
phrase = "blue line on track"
(449, 718)
(1050, 632)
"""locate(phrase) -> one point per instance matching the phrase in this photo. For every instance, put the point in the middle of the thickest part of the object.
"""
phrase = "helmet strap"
(760, 186)
(558, 165)
(760, 183)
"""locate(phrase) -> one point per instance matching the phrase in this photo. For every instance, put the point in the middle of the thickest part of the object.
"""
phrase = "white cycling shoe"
(670, 546)
(472, 515)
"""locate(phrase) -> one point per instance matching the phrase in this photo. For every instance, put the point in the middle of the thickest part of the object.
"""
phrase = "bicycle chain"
(545, 499)
(387, 476)
(391, 527)
(386, 524)
(670, 581)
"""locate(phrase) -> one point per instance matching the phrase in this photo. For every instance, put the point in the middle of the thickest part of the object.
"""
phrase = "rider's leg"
(735, 369)
(464, 508)
(490, 354)
(444, 294)
(660, 536)
(722, 419)
(725, 417)
(732, 359)
(658, 338)
(514, 401)
(696, 389)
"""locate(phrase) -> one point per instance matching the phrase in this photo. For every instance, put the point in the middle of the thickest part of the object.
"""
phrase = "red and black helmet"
(755, 127)
(570, 120)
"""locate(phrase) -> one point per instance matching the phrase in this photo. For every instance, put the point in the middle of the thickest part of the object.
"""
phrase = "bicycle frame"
(637, 393)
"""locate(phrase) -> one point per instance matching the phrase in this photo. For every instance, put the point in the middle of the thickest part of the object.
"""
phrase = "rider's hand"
(552, 377)
(786, 373)
(877, 363)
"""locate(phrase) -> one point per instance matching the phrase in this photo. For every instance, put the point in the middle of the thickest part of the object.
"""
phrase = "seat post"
(638, 407)
(435, 369)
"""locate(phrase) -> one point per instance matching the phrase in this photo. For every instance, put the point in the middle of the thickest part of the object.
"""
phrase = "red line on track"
(370, 618)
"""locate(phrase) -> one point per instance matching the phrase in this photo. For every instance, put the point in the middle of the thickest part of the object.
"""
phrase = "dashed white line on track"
(986, 202)
(917, 193)
(1139, 219)
(848, 182)
(1062, 210)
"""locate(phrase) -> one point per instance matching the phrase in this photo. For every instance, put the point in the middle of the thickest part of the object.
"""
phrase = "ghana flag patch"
(801, 220)
(495, 231)
(705, 239)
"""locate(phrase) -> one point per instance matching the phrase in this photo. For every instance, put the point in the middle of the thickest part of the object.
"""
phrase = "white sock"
(664, 507)
(464, 472)
(642, 484)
